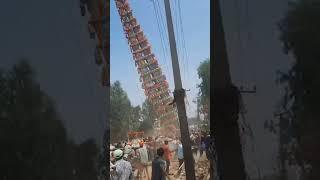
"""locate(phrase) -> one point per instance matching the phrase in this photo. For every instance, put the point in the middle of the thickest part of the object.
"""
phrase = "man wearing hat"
(122, 169)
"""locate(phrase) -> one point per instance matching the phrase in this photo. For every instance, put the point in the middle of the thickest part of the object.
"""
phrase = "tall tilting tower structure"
(154, 83)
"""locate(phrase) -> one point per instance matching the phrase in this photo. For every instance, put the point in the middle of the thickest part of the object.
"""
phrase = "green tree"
(33, 137)
(204, 88)
(135, 118)
(300, 34)
(148, 116)
(120, 113)
(34, 144)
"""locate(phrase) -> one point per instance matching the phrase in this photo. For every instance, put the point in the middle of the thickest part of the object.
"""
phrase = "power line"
(178, 38)
(162, 39)
(183, 38)
(163, 29)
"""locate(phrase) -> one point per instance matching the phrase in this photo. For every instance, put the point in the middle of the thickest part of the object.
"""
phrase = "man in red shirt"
(167, 155)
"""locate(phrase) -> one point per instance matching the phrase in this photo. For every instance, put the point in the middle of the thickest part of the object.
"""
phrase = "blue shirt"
(180, 151)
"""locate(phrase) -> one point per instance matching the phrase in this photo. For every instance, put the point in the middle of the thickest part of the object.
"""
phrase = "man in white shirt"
(142, 153)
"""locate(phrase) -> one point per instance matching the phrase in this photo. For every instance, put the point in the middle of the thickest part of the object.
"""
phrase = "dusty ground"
(202, 166)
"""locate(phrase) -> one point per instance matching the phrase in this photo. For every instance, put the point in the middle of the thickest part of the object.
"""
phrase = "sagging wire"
(163, 35)
(184, 49)
(177, 37)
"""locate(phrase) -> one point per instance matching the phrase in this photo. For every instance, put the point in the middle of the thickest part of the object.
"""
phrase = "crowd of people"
(131, 159)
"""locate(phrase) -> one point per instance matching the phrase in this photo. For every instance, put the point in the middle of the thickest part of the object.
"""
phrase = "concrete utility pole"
(226, 107)
(179, 94)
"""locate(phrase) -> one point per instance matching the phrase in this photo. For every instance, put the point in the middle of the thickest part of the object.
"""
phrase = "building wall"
(255, 54)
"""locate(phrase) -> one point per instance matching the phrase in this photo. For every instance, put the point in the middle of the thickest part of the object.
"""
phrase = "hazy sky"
(196, 27)
(53, 35)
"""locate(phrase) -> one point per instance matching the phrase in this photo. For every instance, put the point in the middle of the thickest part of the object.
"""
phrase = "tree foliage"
(123, 117)
(300, 34)
(204, 87)
(135, 118)
(148, 116)
(34, 143)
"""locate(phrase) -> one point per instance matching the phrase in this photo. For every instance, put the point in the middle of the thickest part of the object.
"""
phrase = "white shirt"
(143, 154)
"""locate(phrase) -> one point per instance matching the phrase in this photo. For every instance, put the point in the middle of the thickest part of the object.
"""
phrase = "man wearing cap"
(122, 169)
